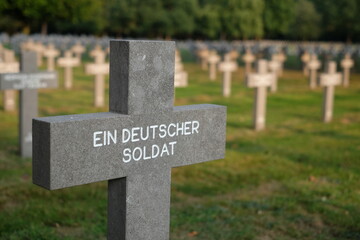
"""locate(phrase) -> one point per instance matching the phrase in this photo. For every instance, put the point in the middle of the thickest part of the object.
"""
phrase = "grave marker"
(313, 65)
(274, 67)
(346, 64)
(9, 65)
(305, 58)
(203, 54)
(51, 53)
(329, 80)
(135, 145)
(27, 82)
(248, 58)
(213, 59)
(68, 62)
(181, 77)
(227, 67)
(78, 50)
(100, 68)
(260, 81)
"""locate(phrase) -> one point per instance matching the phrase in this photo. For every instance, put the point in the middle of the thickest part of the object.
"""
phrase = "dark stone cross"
(135, 145)
(27, 82)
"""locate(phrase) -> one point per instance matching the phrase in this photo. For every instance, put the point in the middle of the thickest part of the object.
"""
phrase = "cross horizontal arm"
(28, 80)
(80, 149)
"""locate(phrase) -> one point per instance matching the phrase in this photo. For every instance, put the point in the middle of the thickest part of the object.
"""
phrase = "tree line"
(331, 20)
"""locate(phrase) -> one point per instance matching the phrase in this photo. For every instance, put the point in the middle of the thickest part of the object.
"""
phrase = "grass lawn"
(298, 179)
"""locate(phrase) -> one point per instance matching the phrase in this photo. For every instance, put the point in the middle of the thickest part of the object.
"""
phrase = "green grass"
(298, 179)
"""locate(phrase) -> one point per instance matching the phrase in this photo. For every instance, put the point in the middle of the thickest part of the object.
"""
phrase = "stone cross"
(78, 50)
(27, 82)
(281, 58)
(181, 77)
(51, 53)
(305, 58)
(213, 60)
(248, 58)
(232, 55)
(9, 66)
(227, 67)
(313, 65)
(96, 52)
(100, 68)
(346, 64)
(135, 145)
(260, 81)
(39, 48)
(203, 55)
(274, 67)
(329, 80)
(68, 62)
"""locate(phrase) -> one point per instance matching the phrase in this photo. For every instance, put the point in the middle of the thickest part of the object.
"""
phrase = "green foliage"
(204, 19)
(307, 21)
(278, 16)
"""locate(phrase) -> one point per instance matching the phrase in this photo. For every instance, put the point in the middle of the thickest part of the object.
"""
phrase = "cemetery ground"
(297, 179)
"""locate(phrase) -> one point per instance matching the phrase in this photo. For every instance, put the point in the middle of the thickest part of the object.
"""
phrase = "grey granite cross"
(135, 145)
(27, 81)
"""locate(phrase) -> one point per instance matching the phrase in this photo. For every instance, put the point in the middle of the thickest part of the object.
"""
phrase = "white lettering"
(195, 127)
(95, 139)
(125, 132)
(127, 152)
(135, 134)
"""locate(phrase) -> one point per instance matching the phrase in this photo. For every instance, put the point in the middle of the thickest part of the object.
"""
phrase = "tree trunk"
(44, 28)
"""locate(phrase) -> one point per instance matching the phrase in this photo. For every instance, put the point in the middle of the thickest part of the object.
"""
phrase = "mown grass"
(298, 179)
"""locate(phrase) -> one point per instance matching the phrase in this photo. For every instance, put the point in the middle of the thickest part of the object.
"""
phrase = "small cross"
(213, 60)
(203, 54)
(227, 67)
(248, 58)
(313, 65)
(100, 68)
(346, 64)
(135, 145)
(329, 80)
(68, 62)
(78, 50)
(305, 58)
(274, 67)
(27, 82)
(9, 66)
(51, 53)
(260, 81)
(181, 77)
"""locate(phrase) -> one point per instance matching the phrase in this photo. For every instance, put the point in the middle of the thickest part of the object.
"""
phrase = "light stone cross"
(329, 80)
(68, 62)
(100, 68)
(9, 65)
(274, 67)
(227, 67)
(346, 64)
(248, 58)
(260, 81)
(313, 65)
(135, 145)
(27, 82)
(203, 55)
(78, 50)
(39, 48)
(281, 58)
(96, 52)
(180, 76)
(305, 58)
(51, 53)
(213, 60)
